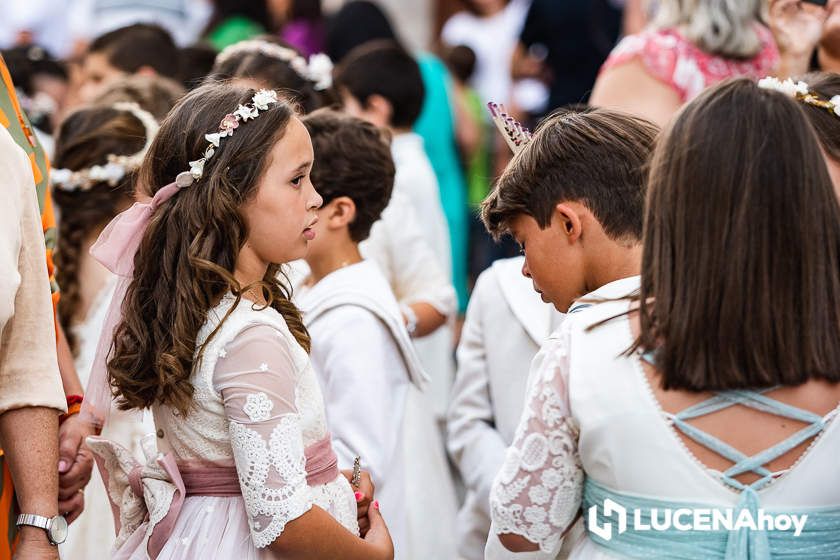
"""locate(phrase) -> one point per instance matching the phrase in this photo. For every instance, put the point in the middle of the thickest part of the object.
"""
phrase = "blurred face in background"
(280, 11)
(97, 74)
(376, 110)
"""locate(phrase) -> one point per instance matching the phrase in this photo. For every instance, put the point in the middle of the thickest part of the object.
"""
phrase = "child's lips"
(308, 232)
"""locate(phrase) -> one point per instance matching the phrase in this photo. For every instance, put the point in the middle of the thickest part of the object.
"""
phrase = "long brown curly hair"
(86, 138)
(187, 255)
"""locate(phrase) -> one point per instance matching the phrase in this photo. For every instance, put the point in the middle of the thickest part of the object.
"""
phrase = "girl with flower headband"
(202, 331)
(398, 242)
(822, 107)
(98, 151)
(267, 63)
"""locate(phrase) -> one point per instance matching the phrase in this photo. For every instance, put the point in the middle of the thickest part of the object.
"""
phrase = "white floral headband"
(117, 167)
(230, 122)
(800, 91)
(317, 70)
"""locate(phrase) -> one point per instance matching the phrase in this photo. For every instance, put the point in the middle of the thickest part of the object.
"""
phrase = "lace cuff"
(537, 493)
(257, 378)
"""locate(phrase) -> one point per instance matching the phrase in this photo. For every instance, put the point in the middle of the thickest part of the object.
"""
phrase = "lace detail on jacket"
(538, 491)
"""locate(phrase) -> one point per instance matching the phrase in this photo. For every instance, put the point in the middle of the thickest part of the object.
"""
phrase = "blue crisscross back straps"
(820, 538)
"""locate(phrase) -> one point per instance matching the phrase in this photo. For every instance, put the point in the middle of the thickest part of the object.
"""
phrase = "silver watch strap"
(34, 520)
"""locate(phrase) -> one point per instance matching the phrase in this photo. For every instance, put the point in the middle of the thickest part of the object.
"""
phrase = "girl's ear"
(341, 212)
(567, 217)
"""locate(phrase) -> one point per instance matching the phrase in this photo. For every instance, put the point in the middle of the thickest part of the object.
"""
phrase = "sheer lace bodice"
(257, 405)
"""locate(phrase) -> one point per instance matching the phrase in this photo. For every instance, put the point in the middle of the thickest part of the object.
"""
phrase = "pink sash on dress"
(321, 463)
(163, 479)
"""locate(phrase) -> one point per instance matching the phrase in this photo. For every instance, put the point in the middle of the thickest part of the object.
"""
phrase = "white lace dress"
(258, 406)
(591, 413)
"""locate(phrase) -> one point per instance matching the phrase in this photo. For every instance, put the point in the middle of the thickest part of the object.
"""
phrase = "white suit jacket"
(373, 382)
(505, 326)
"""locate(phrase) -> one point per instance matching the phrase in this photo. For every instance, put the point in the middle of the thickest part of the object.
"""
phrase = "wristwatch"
(55, 527)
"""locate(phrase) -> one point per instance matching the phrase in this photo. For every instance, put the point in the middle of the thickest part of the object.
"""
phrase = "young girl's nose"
(316, 200)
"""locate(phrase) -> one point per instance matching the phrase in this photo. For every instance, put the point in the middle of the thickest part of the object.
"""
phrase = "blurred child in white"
(361, 350)
(380, 82)
(505, 326)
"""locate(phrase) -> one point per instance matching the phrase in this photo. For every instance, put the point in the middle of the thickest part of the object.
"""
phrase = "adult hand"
(33, 545)
(797, 27)
(378, 534)
(75, 466)
(364, 497)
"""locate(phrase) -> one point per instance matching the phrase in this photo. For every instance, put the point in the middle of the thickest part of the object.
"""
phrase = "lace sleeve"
(537, 493)
(256, 376)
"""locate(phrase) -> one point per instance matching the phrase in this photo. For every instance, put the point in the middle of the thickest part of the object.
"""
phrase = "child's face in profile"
(281, 216)
(97, 74)
(552, 261)
(375, 110)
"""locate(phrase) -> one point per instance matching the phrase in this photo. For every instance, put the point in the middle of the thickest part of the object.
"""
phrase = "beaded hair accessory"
(117, 167)
(801, 92)
(230, 122)
(516, 135)
(317, 70)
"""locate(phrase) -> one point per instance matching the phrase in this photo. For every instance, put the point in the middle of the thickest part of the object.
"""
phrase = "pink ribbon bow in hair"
(115, 249)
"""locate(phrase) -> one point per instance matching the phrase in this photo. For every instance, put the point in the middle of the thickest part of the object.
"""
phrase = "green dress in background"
(478, 168)
(437, 127)
(232, 30)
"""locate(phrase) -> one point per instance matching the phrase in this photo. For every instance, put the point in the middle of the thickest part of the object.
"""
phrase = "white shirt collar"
(613, 290)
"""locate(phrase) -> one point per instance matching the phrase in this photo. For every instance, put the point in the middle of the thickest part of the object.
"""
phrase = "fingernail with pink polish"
(359, 496)
(375, 504)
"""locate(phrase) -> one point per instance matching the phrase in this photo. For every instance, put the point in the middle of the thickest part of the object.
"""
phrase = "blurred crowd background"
(533, 56)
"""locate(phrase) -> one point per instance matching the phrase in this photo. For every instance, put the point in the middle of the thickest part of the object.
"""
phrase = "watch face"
(58, 529)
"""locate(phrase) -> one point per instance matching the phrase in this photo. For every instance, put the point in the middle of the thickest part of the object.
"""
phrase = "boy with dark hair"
(573, 198)
(381, 83)
(141, 48)
(361, 351)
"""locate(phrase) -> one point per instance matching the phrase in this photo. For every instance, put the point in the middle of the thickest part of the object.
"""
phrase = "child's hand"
(378, 534)
(364, 496)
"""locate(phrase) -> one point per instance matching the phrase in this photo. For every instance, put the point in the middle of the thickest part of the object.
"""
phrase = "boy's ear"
(341, 212)
(568, 219)
(381, 108)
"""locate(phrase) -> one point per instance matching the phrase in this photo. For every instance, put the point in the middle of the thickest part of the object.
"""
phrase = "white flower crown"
(317, 70)
(117, 166)
(230, 122)
(801, 92)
